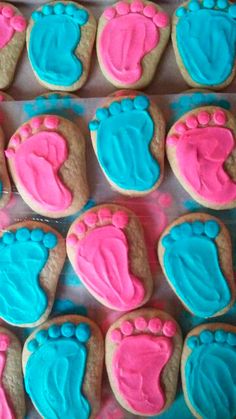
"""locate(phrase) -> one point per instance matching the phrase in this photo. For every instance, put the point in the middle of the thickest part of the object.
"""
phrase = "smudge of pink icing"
(201, 154)
(37, 162)
(102, 263)
(5, 410)
(9, 24)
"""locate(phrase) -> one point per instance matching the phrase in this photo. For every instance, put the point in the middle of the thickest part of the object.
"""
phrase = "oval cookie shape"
(12, 396)
(132, 36)
(107, 251)
(128, 138)
(68, 350)
(208, 369)
(200, 149)
(32, 255)
(60, 40)
(12, 40)
(46, 157)
(142, 351)
(196, 257)
(203, 31)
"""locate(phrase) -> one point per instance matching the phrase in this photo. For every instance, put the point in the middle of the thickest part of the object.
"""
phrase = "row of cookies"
(62, 364)
(60, 38)
(128, 137)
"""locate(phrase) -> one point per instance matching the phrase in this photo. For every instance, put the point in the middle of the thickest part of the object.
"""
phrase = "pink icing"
(80, 227)
(140, 323)
(9, 24)
(155, 325)
(91, 219)
(102, 263)
(137, 367)
(5, 410)
(201, 154)
(127, 328)
(104, 214)
(203, 118)
(37, 162)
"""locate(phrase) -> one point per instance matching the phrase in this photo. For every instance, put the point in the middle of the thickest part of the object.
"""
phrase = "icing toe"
(37, 152)
(201, 144)
(201, 28)
(209, 372)
(142, 349)
(191, 263)
(56, 368)
(52, 52)
(101, 258)
(124, 132)
(9, 24)
(131, 31)
(23, 255)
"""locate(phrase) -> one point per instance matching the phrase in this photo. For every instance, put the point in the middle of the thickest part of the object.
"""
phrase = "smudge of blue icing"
(124, 133)
(23, 255)
(52, 50)
(54, 104)
(206, 40)
(210, 373)
(192, 267)
(66, 306)
(1, 189)
(55, 371)
(191, 205)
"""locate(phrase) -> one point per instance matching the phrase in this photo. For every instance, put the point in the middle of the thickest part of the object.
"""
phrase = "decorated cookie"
(143, 350)
(107, 250)
(204, 39)
(12, 40)
(62, 364)
(46, 157)
(5, 185)
(132, 36)
(200, 148)
(209, 371)
(32, 255)
(60, 40)
(196, 257)
(128, 139)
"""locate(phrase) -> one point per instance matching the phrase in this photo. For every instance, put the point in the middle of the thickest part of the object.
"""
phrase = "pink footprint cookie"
(143, 351)
(200, 147)
(107, 251)
(12, 39)
(46, 157)
(132, 36)
(12, 397)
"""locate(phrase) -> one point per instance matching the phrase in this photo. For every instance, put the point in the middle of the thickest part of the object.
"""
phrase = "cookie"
(62, 364)
(142, 351)
(12, 396)
(132, 36)
(195, 253)
(46, 158)
(200, 149)
(5, 185)
(32, 255)
(106, 248)
(204, 37)
(60, 39)
(128, 139)
(208, 370)
(12, 40)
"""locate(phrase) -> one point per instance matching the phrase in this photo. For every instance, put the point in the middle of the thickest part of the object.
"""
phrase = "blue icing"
(192, 266)
(66, 306)
(54, 104)
(23, 255)
(124, 134)
(55, 371)
(210, 374)
(206, 41)
(54, 38)
(1, 188)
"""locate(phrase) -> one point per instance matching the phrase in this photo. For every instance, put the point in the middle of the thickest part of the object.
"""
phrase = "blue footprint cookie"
(209, 371)
(60, 39)
(32, 255)
(196, 257)
(62, 366)
(128, 138)
(204, 40)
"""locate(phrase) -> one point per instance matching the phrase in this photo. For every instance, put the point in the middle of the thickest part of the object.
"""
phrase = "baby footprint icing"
(139, 351)
(123, 137)
(55, 368)
(209, 371)
(191, 262)
(205, 33)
